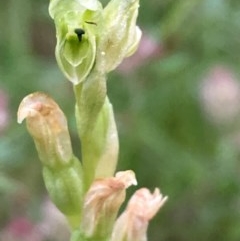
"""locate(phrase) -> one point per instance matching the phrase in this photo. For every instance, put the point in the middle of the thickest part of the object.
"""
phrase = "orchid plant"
(91, 42)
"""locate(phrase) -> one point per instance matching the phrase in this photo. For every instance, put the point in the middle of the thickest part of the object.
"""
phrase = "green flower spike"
(62, 171)
(117, 36)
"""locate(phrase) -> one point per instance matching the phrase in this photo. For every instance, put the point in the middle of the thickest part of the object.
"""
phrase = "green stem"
(90, 96)
(96, 128)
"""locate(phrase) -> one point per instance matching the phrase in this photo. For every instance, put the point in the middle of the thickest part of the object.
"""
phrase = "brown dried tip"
(34, 104)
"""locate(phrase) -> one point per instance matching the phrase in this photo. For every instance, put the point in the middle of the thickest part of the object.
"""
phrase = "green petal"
(120, 36)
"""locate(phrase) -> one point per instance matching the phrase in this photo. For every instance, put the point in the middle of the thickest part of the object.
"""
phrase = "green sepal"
(65, 188)
(120, 35)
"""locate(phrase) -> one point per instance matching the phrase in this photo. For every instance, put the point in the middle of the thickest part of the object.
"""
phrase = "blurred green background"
(177, 105)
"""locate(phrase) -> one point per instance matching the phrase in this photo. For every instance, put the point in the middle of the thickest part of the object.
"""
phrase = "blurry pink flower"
(4, 111)
(54, 225)
(20, 229)
(220, 96)
(133, 223)
(148, 49)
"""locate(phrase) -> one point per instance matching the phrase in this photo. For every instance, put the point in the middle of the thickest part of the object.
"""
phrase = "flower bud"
(132, 224)
(47, 125)
(121, 36)
(102, 203)
(62, 172)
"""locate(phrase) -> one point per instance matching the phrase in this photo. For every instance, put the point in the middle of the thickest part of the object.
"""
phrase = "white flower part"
(89, 4)
(133, 223)
(127, 177)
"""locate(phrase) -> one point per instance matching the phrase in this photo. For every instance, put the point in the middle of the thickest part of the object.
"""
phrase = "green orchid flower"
(89, 36)
(76, 36)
